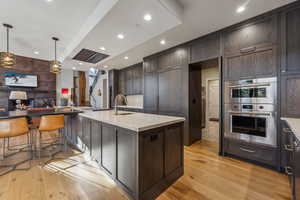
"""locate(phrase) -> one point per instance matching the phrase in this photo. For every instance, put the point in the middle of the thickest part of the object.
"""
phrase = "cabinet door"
(108, 160)
(260, 32)
(129, 80)
(251, 63)
(265, 62)
(150, 92)
(151, 159)
(150, 65)
(137, 79)
(96, 140)
(290, 41)
(127, 158)
(122, 82)
(169, 92)
(172, 58)
(290, 96)
(205, 48)
(86, 133)
(173, 149)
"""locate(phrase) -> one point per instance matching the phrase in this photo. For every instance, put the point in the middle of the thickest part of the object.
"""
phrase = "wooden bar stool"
(15, 127)
(51, 124)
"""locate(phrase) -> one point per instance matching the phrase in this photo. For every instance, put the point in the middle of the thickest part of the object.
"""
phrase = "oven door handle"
(251, 113)
(249, 85)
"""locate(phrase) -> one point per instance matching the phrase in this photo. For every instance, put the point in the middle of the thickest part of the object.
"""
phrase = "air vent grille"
(90, 56)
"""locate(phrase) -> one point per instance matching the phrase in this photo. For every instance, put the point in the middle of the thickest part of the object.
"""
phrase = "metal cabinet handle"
(288, 171)
(247, 150)
(288, 147)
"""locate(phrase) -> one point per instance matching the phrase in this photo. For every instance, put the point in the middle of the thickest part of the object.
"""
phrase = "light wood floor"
(207, 177)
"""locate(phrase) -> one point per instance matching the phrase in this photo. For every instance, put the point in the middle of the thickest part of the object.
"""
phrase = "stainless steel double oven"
(251, 110)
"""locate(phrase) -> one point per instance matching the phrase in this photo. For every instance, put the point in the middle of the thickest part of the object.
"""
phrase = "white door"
(213, 96)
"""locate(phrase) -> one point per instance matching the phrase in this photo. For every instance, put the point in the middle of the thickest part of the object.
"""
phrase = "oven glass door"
(250, 125)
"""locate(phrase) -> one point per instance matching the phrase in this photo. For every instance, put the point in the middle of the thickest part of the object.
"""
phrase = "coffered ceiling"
(93, 24)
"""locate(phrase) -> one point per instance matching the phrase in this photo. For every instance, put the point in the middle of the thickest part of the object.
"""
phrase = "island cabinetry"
(143, 163)
(96, 139)
(108, 149)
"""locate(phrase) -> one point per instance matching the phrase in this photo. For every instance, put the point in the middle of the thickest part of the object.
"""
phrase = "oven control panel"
(252, 107)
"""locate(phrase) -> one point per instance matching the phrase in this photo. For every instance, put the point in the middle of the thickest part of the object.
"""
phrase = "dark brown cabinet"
(86, 133)
(122, 82)
(260, 32)
(131, 80)
(169, 92)
(256, 152)
(108, 160)
(96, 136)
(205, 48)
(290, 96)
(173, 152)
(150, 85)
(290, 29)
(252, 62)
(152, 162)
(127, 159)
(176, 57)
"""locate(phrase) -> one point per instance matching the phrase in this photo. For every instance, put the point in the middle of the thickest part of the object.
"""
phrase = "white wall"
(63, 80)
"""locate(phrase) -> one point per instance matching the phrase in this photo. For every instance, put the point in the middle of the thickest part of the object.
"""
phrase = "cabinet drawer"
(262, 154)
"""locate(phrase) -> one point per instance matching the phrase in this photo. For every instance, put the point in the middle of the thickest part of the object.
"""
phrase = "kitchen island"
(142, 153)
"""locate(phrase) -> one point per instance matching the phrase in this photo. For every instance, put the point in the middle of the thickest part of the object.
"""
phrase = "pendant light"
(55, 65)
(7, 59)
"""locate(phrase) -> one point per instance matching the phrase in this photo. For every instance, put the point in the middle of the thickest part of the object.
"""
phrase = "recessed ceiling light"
(240, 9)
(163, 42)
(147, 17)
(80, 63)
(102, 48)
(49, 0)
(126, 58)
(36, 53)
(105, 66)
(120, 36)
(73, 68)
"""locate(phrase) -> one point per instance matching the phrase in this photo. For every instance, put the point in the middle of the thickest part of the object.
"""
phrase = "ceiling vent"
(90, 56)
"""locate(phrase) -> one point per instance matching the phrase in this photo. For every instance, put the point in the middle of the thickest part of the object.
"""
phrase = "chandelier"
(7, 59)
(55, 65)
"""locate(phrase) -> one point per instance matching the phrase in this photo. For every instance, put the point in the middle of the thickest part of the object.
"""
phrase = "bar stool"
(13, 128)
(50, 124)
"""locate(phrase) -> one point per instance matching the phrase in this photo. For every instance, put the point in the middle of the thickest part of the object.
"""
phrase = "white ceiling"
(37, 21)
(95, 23)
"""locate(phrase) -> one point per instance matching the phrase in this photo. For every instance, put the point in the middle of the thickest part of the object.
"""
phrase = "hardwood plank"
(207, 177)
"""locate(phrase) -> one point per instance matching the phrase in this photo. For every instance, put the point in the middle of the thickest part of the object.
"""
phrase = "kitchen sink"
(125, 113)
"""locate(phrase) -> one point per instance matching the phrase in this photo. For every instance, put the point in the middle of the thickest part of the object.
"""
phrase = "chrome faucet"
(119, 98)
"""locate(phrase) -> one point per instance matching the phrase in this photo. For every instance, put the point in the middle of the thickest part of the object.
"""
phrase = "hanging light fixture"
(55, 65)
(7, 59)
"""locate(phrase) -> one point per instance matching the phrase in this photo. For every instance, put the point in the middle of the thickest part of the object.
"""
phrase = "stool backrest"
(52, 122)
(13, 127)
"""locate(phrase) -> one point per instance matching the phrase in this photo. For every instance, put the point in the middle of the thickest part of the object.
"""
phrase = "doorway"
(204, 87)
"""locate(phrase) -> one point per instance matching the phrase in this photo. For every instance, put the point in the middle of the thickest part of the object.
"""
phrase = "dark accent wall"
(46, 80)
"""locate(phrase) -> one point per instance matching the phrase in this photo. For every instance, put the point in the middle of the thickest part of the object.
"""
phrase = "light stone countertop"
(294, 124)
(136, 121)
